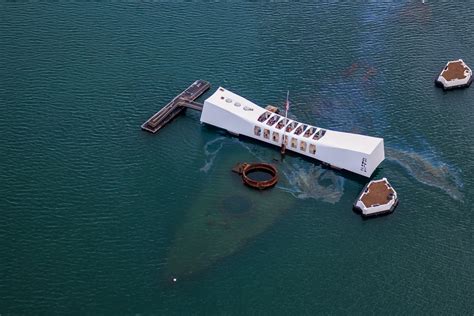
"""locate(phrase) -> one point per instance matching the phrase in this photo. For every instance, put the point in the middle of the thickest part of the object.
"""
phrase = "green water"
(96, 215)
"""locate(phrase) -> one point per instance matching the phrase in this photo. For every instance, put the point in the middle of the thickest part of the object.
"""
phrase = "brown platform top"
(454, 70)
(377, 193)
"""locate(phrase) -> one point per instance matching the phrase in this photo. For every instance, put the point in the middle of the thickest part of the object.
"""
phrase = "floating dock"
(456, 74)
(185, 99)
(378, 197)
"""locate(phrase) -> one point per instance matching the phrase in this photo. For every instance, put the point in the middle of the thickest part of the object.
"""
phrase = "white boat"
(352, 152)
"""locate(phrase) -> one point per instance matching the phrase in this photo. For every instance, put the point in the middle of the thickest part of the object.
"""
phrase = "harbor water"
(100, 217)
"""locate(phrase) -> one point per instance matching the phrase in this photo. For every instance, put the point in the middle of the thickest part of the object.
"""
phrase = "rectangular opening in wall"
(282, 123)
(273, 120)
(310, 131)
(262, 118)
(257, 131)
(303, 146)
(266, 133)
(276, 137)
(293, 142)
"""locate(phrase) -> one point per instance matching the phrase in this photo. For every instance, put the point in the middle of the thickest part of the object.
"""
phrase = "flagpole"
(287, 105)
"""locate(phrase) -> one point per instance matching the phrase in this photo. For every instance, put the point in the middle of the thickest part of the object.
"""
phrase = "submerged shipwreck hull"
(222, 220)
(352, 152)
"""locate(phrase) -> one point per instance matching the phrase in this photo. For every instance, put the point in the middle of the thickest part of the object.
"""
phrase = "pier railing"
(180, 103)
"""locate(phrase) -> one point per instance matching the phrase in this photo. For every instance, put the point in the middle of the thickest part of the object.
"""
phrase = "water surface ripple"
(92, 207)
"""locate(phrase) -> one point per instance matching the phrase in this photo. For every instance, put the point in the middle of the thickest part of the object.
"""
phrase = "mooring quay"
(182, 101)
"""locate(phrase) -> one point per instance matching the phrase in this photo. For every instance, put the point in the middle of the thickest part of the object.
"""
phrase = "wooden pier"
(182, 101)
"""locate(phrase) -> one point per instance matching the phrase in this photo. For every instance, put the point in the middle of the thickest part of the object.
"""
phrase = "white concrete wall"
(351, 152)
(219, 117)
